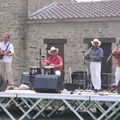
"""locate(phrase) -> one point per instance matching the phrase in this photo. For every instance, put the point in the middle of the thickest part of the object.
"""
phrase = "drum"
(49, 70)
(34, 70)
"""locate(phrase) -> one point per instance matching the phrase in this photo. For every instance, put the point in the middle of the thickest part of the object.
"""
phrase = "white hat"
(96, 40)
(52, 49)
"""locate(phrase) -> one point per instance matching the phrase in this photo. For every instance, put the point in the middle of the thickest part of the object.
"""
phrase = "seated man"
(54, 60)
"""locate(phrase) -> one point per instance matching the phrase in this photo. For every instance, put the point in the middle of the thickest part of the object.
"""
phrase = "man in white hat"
(54, 60)
(95, 55)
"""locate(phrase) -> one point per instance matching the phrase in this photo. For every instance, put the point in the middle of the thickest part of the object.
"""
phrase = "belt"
(95, 61)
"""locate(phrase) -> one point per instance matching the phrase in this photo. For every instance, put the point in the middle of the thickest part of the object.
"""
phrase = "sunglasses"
(53, 51)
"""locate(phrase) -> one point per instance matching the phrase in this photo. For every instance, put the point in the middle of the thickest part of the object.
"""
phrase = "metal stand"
(84, 74)
(40, 61)
(87, 81)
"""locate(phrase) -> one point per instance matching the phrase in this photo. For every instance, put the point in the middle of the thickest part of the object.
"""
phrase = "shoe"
(10, 87)
(97, 90)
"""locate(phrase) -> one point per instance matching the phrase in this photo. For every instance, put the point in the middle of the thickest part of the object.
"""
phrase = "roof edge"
(112, 19)
(43, 9)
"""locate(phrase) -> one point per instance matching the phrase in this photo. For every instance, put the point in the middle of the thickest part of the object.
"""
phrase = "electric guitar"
(2, 53)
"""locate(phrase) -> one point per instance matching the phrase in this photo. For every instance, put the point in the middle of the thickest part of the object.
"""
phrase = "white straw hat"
(52, 49)
(96, 40)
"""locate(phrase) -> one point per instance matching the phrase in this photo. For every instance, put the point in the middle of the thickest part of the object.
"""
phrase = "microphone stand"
(85, 81)
(40, 62)
(85, 86)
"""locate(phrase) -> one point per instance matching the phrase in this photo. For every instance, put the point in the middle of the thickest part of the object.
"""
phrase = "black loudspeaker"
(47, 84)
(71, 86)
(118, 87)
(25, 79)
(105, 80)
(78, 78)
(3, 84)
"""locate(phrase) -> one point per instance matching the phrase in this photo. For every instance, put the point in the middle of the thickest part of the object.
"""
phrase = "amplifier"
(81, 77)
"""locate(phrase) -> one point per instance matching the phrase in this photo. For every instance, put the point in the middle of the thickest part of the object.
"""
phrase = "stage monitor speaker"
(118, 87)
(3, 84)
(47, 84)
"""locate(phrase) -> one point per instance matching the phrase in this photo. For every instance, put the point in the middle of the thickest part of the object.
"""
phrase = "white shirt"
(3, 47)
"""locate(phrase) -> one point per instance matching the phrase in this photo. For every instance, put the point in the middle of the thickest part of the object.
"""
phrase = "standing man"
(54, 60)
(95, 55)
(7, 50)
(116, 55)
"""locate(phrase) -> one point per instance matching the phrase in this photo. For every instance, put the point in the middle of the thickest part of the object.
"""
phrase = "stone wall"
(74, 33)
(13, 21)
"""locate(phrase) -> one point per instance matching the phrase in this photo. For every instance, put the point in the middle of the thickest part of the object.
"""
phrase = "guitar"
(2, 53)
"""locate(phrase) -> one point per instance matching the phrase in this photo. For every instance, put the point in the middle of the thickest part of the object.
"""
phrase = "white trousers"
(6, 72)
(117, 75)
(95, 69)
(57, 72)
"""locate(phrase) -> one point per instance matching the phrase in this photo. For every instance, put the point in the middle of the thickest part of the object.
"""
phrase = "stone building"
(68, 26)
(13, 20)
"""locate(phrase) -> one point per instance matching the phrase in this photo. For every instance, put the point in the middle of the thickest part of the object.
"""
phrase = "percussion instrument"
(34, 70)
(116, 53)
(49, 70)
(32, 73)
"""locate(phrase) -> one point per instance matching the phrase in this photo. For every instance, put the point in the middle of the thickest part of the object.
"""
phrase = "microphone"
(83, 51)
(42, 58)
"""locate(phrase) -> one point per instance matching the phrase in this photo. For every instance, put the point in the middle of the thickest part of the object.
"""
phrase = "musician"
(7, 50)
(95, 55)
(116, 55)
(54, 60)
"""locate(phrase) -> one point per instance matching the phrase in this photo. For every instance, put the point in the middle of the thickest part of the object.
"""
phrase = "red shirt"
(56, 61)
(118, 60)
(118, 53)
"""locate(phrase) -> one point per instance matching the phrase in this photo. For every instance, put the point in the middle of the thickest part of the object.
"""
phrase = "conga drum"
(49, 70)
(32, 72)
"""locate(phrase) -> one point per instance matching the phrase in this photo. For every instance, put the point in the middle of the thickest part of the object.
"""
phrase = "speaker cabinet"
(25, 79)
(105, 80)
(118, 87)
(47, 84)
(71, 86)
(3, 84)
(79, 78)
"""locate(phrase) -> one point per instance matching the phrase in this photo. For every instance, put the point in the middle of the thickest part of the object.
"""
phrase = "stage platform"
(99, 106)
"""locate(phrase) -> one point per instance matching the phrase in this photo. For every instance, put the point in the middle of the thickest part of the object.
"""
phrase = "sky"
(87, 0)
